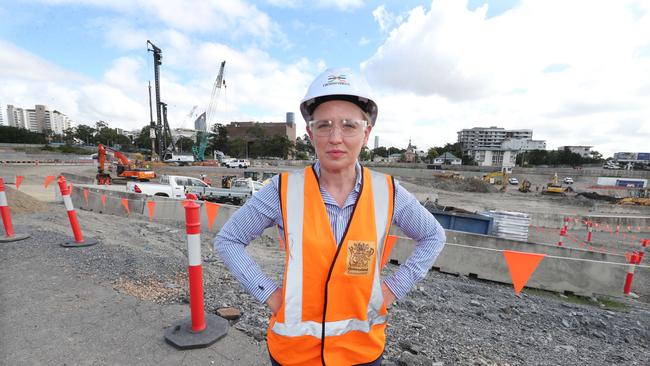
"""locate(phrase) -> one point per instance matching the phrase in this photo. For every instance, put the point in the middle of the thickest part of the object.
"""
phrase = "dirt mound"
(22, 203)
(453, 185)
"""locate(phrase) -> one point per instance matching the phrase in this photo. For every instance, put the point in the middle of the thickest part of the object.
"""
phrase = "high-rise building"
(496, 146)
(2, 122)
(200, 124)
(376, 142)
(39, 119)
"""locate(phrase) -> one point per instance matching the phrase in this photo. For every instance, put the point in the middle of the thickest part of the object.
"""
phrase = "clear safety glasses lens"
(348, 127)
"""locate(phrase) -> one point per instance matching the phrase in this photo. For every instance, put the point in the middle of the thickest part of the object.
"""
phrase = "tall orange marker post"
(79, 240)
(590, 228)
(6, 218)
(630, 274)
(644, 245)
(201, 330)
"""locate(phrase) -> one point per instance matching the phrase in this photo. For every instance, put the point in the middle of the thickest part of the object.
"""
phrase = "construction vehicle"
(525, 185)
(554, 187)
(125, 169)
(499, 178)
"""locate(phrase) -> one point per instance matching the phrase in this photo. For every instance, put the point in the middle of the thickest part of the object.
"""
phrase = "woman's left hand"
(389, 297)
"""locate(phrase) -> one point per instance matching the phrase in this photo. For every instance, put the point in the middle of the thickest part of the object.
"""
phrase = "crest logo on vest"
(359, 259)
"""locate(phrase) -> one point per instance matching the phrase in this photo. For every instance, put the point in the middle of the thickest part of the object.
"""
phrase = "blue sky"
(436, 66)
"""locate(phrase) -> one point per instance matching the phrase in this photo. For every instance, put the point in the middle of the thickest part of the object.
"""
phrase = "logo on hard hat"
(336, 80)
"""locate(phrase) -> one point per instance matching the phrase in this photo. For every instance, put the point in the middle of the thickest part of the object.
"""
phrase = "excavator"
(124, 168)
(524, 187)
(554, 187)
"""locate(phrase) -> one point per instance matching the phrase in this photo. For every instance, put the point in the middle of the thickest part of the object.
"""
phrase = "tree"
(365, 154)
(304, 145)
(432, 153)
(184, 144)
(85, 133)
(69, 135)
(380, 151)
(143, 141)
(10, 134)
(395, 150)
(219, 139)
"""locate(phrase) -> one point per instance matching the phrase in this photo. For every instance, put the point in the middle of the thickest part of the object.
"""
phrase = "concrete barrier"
(556, 221)
(168, 211)
(563, 270)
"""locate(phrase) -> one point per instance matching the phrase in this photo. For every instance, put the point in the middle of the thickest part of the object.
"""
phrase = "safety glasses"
(348, 127)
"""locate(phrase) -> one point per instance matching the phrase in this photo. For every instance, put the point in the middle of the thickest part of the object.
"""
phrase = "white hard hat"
(339, 84)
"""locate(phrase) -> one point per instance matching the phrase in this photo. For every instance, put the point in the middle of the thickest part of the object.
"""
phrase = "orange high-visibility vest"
(333, 309)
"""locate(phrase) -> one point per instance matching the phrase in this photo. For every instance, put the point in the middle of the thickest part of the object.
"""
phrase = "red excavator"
(124, 168)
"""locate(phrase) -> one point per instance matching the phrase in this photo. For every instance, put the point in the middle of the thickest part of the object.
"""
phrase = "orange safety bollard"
(79, 240)
(6, 218)
(630, 275)
(562, 234)
(590, 229)
(201, 330)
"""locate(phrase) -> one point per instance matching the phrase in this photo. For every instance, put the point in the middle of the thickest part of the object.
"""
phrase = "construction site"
(527, 276)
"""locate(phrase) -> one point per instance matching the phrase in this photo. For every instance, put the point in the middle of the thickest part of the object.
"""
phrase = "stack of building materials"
(509, 225)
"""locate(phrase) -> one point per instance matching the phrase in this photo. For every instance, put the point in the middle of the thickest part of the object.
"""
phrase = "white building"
(496, 146)
(447, 159)
(38, 119)
(584, 151)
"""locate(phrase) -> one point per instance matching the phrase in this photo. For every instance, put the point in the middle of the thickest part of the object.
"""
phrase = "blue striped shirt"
(263, 211)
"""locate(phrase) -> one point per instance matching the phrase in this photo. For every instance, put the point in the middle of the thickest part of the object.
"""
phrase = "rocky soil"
(445, 320)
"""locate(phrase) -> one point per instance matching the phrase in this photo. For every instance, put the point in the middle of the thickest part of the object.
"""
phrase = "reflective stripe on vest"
(293, 324)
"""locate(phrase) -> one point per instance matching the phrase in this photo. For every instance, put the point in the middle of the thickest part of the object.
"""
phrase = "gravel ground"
(447, 319)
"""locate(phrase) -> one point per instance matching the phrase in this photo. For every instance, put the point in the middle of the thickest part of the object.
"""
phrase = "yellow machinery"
(524, 186)
(500, 178)
(554, 187)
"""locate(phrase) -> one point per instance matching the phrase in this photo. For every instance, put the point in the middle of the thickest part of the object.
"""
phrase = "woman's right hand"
(275, 301)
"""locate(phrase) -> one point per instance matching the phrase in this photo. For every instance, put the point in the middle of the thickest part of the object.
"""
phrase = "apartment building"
(39, 119)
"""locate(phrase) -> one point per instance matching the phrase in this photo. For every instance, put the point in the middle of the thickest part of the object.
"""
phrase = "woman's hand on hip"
(389, 297)
(275, 301)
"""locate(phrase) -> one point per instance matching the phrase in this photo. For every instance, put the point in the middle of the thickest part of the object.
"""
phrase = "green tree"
(380, 151)
(69, 135)
(143, 140)
(10, 134)
(395, 150)
(219, 139)
(85, 133)
(432, 153)
(365, 154)
(184, 144)
(304, 145)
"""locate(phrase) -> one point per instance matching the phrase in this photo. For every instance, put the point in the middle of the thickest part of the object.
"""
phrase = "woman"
(334, 217)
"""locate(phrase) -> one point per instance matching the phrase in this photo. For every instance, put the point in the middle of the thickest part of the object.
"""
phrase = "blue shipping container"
(471, 223)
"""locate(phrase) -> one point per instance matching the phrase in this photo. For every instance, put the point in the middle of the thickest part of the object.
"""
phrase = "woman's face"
(336, 151)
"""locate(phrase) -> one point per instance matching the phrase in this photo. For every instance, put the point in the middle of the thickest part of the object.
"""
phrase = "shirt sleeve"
(261, 211)
(420, 225)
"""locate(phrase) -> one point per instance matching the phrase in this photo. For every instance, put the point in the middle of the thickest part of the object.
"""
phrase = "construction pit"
(111, 303)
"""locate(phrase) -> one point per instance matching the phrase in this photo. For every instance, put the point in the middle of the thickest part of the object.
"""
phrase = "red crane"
(124, 168)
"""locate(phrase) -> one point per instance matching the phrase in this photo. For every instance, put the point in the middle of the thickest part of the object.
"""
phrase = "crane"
(198, 150)
(124, 167)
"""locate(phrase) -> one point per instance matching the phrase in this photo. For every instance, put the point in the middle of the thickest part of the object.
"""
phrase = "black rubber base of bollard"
(181, 336)
(15, 237)
(87, 242)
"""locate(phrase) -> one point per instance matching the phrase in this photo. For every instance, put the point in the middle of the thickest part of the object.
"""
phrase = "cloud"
(340, 4)
(386, 19)
(235, 18)
(515, 70)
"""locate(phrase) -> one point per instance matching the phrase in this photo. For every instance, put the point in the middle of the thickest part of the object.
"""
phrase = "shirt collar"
(357, 169)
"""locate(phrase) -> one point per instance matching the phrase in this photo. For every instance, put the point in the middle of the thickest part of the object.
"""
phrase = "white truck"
(176, 186)
(238, 163)
(171, 158)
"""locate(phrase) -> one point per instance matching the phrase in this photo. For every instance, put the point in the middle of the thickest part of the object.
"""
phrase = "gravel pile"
(445, 320)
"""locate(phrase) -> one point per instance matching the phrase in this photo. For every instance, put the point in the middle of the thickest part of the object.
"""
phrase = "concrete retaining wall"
(563, 269)
(556, 221)
(166, 210)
